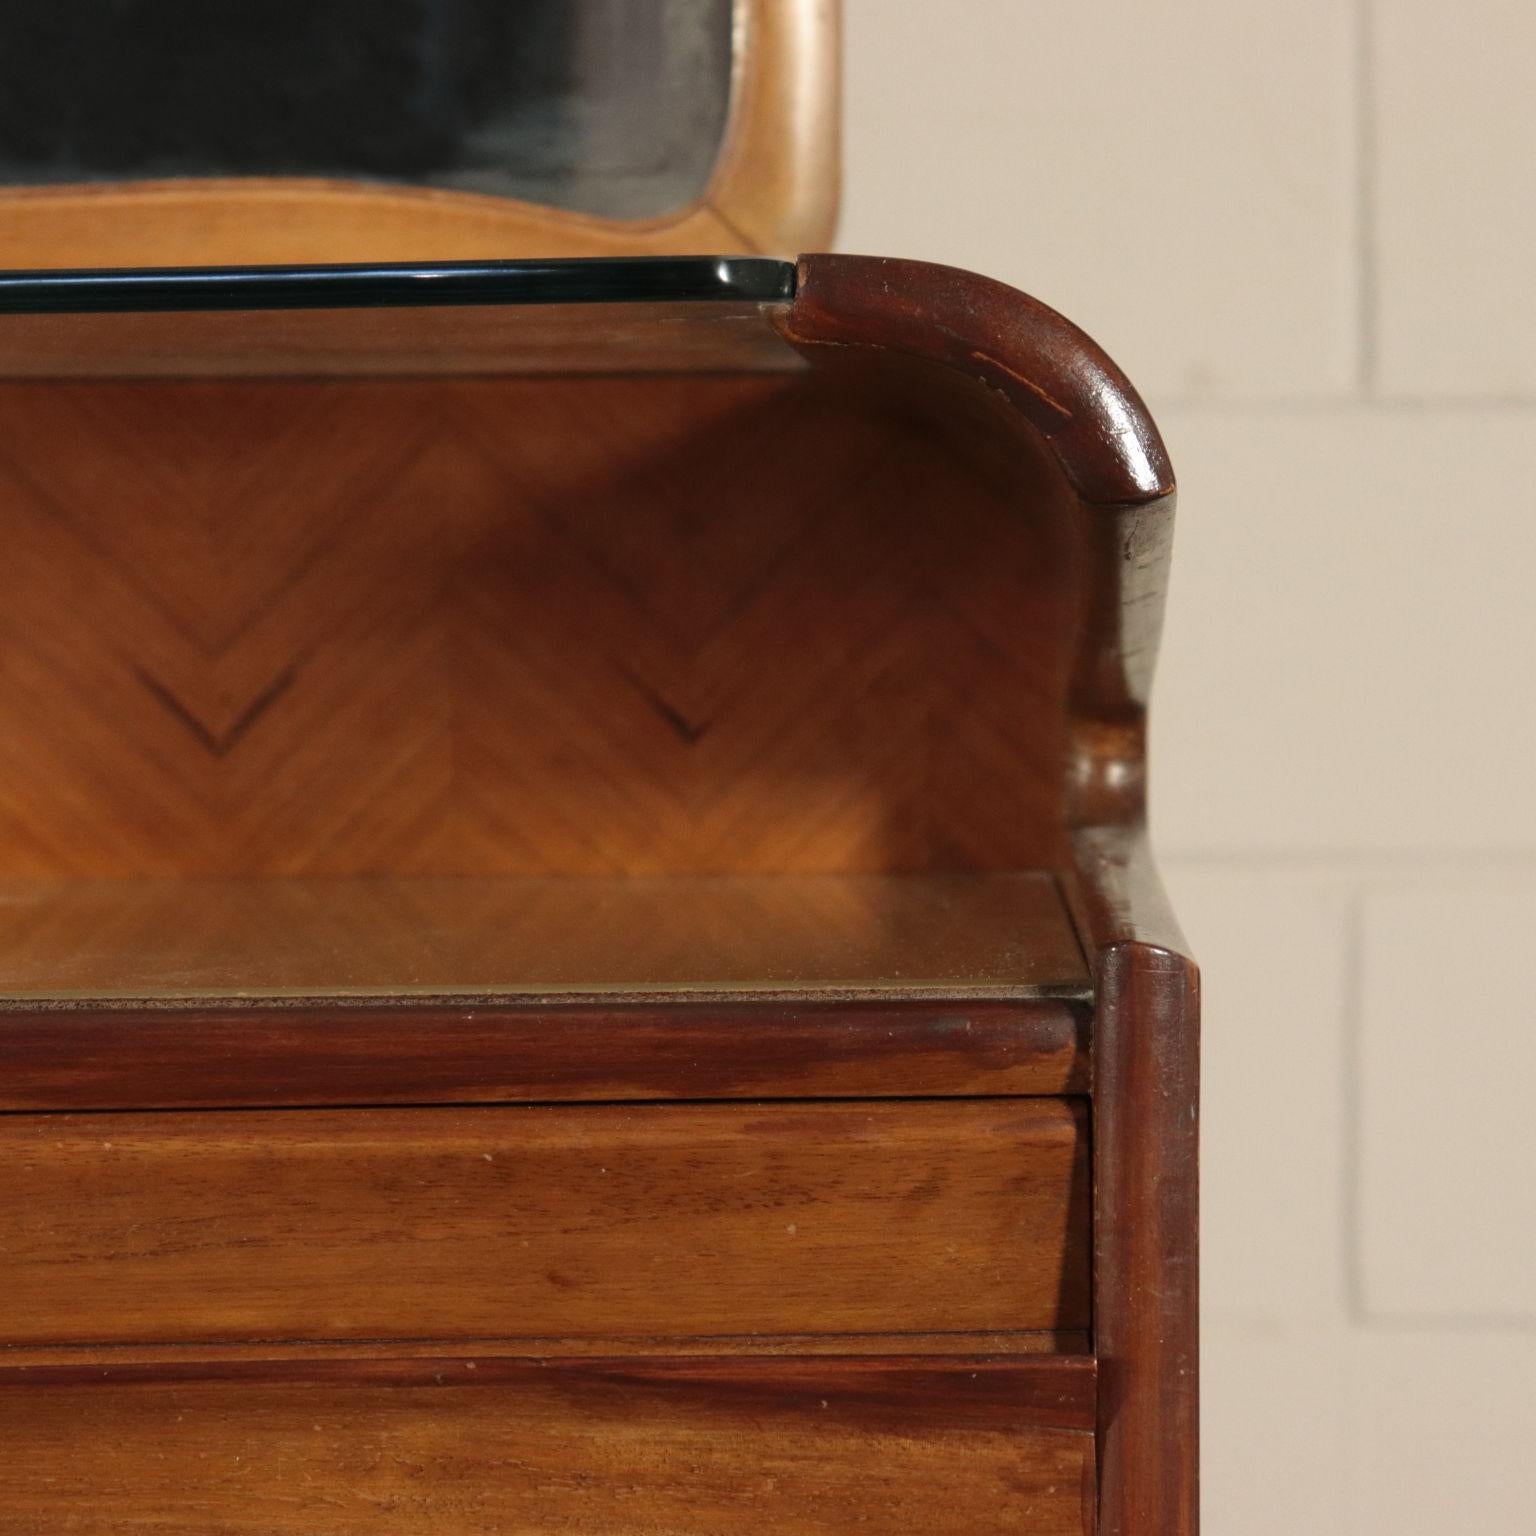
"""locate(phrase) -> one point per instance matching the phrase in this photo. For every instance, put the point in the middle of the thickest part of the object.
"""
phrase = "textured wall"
(1306, 231)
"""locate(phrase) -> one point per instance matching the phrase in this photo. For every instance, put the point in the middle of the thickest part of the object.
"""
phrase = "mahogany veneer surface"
(523, 626)
(691, 1448)
(27, 1362)
(484, 1223)
(379, 343)
(169, 1054)
(859, 619)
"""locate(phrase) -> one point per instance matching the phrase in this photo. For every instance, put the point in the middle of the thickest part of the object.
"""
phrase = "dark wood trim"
(230, 1057)
(1068, 394)
(1055, 1392)
(1146, 990)
(1105, 494)
(1123, 561)
(1116, 895)
(1053, 375)
(1146, 1190)
(995, 1346)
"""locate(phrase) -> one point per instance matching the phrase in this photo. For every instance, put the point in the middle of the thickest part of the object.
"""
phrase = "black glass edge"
(578, 280)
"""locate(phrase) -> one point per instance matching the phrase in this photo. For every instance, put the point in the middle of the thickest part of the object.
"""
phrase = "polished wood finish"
(1056, 384)
(810, 937)
(1146, 1176)
(1066, 391)
(422, 1051)
(689, 1447)
(887, 614)
(524, 626)
(774, 189)
(1057, 1392)
(484, 1223)
(458, 341)
(79, 1361)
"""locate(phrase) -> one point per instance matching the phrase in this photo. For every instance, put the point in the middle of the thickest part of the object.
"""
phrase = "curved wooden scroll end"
(1054, 375)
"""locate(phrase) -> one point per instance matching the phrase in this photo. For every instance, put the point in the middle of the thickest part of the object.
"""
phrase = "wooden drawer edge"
(997, 1346)
(952, 1446)
(413, 1053)
(198, 1227)
(1056, 1392)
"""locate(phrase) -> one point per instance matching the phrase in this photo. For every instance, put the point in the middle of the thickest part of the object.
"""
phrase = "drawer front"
(691, 1448)
(551, 1222)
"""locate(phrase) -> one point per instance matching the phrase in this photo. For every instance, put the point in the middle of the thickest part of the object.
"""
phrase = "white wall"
(1306, 231)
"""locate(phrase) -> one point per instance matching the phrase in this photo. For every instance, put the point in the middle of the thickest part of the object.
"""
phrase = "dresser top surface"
(521, 938)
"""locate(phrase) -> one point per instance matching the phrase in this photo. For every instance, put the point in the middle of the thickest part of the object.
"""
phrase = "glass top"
(976, 935)
(580, 280)
(639, 314)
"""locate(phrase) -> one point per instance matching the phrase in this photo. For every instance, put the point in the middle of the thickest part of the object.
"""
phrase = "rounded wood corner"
(1085, 410)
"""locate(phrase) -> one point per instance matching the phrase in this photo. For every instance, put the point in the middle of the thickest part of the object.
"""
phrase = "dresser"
(577, 945)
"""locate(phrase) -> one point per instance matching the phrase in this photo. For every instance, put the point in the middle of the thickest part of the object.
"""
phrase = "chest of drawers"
(578, 950)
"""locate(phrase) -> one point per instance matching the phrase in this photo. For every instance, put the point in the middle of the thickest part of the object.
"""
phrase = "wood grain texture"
(489, 1052)
(898, 614)
(774, 189)
(987, 346)
(572, 625)
(1050, 382)
(19, 1363)
(475, 1223)
(401, 342)
(1051, 374)
(692, 1448)
(1146, 1189)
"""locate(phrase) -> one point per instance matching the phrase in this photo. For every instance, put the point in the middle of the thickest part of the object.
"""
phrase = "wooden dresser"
(577, 947)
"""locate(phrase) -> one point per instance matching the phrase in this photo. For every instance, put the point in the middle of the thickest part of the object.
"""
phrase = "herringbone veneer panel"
(531, 625)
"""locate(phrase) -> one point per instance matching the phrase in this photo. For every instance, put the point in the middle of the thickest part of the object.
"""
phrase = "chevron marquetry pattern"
(514, 626)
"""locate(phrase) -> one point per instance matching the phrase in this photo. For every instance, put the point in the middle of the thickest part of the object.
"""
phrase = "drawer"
(543, 1222)
(592, 1448)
